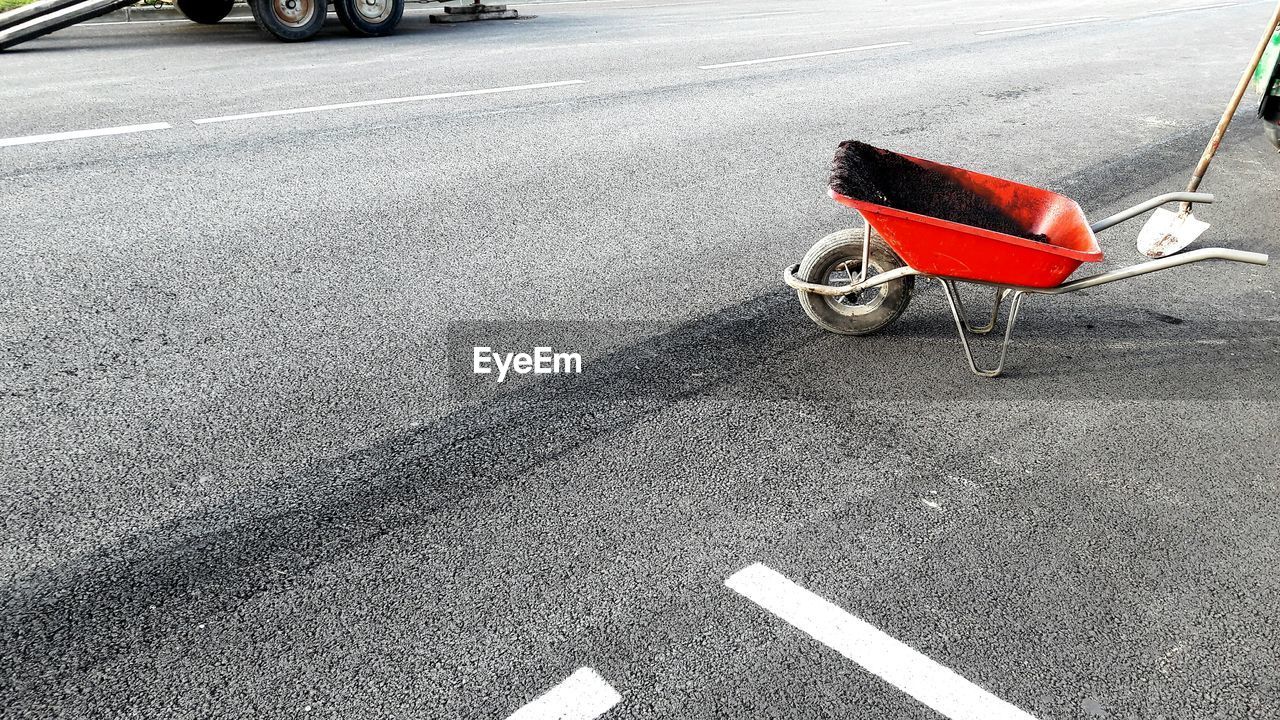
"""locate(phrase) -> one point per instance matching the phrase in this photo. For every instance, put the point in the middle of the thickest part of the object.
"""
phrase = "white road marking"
(594, 2)
(1166, 11)
(894, 662)
(566, 2)
(584, 695)
(243, 19)
(77, 134)
(237, 19)
(760, 14)
(609, 5)
(141, 22)
(820, 53)
(1078, 21)
(385, 101)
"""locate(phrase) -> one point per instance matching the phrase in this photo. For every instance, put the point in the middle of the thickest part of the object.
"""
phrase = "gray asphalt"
(245, 473)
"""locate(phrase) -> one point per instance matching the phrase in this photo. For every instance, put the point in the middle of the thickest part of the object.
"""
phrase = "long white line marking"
(820, 53)
(1045, 25)
(77, 134)
(760, 14)
(599, 2)
(1189, 8)
(567, 2)
(241, 19)
(584, 695)
(894, 662)
(385, 101)
(141, 23)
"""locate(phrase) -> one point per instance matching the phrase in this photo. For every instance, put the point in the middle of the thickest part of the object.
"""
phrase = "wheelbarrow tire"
(837, 259)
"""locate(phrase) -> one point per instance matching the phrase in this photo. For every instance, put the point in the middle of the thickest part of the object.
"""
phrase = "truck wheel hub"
(294, 13)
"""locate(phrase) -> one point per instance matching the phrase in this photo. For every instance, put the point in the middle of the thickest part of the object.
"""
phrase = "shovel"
(1166, 232)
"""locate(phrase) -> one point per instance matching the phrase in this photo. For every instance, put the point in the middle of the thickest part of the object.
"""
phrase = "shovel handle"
(1216, 140)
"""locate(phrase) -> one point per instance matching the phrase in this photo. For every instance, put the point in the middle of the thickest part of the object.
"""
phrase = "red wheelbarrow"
(926, 218)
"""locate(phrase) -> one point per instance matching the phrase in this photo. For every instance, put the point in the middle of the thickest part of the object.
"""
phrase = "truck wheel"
(370, 18)
(289, 20)
(205, 12)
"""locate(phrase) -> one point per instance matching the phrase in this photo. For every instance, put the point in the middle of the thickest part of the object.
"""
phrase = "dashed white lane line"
(143, 23)
(584, 695)
(894, 662)
(77, 134)
(761, 14)
(243, 20)
(385, 101)
(1078, 21)
(820, 53)
(567, 2)
(1190, 8)
(532, 5)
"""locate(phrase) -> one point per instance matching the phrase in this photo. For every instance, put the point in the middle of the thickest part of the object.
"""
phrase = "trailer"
(286, 20)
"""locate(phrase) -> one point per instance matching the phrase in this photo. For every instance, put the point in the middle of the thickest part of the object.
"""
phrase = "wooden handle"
(1221, 130)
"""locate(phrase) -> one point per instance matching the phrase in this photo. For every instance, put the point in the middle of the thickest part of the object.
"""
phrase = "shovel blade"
(1167, 232)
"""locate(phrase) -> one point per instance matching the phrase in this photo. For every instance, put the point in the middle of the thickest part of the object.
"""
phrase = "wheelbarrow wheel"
(836, 260)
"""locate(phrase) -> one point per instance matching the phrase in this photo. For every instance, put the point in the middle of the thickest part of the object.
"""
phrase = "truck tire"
(290, 20)
(370, 18)
(205, 12)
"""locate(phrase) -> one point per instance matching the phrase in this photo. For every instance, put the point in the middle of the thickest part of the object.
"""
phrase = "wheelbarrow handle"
(1155, 202)
(791, 276)
(1164, 263)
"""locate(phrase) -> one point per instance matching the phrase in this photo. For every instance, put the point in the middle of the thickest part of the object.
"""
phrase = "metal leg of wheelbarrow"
(1001, 293)
(962, 324)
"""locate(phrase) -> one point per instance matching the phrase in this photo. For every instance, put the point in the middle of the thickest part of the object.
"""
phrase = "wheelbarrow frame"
(1016, 293)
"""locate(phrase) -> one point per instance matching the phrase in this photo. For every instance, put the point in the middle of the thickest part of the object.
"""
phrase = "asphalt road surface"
(246, 472)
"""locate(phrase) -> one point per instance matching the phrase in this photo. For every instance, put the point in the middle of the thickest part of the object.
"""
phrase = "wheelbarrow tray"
(935, 246)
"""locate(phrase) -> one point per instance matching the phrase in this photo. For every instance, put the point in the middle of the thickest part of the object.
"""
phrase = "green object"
(1266, 71)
